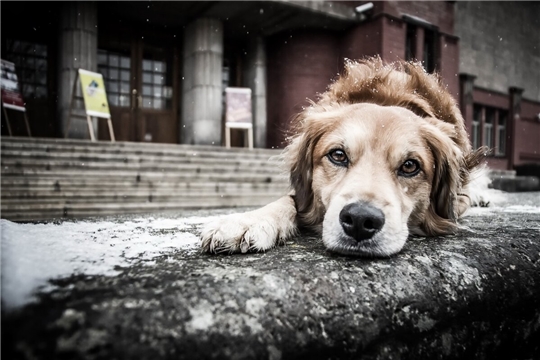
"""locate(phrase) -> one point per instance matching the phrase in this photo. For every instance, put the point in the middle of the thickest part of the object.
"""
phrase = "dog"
(381, 155)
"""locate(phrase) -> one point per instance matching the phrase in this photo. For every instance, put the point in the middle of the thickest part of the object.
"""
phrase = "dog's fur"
(379, 116)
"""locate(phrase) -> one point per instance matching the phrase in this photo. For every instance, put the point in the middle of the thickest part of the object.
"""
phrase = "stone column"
(514, 120)
(77, 49)
(202, 95)
(255, 79)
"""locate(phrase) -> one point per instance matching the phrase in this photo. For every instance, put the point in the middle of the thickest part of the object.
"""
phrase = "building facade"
(500, 73)
(166, 64)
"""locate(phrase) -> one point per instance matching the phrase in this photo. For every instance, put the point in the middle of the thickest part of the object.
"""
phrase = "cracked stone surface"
(136, 287)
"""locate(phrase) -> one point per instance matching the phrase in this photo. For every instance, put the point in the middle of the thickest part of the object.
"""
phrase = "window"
(477, 120)
(430, 51)
(489, 128)
(421, 42)
(153, 84)
(501, 133)
(30, 61)
(410, 43)
(116, 70)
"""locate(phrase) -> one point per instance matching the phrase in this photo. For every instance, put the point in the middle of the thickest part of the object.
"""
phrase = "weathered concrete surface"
(475, 295)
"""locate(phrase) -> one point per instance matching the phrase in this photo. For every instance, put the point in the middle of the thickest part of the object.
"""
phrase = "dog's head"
(370, 173)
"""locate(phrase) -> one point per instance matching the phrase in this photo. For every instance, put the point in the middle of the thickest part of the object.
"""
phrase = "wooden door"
(156, 99)
(142, 90)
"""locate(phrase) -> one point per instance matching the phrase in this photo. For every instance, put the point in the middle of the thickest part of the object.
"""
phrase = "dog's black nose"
(360, 220)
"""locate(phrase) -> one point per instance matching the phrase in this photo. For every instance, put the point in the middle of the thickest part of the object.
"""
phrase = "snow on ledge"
(32, 254)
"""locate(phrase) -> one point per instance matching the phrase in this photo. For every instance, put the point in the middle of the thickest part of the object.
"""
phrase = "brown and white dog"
(382, 154)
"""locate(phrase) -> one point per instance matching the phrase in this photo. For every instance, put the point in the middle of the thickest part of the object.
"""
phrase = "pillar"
(514, 119)
(466, 100)
(256, 80)
(201, 120)
(77, 49)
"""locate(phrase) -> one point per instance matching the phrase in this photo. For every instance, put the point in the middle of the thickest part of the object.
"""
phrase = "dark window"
(477, 120)
(410, 43)
(501, 133)
(116, 70)
(430, 51)
(488, 127)
(492, 122)
(30, 61)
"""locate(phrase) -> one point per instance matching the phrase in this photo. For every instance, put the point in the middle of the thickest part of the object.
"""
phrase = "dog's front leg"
(256, 230)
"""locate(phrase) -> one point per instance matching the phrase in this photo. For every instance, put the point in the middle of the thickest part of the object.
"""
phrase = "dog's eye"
(338, 157)
(409, 168)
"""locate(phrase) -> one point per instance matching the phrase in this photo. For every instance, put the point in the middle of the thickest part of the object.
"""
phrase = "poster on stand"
(94, 94)
(11, 95)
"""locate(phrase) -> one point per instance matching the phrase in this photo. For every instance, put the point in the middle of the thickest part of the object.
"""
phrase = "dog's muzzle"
(361, 221)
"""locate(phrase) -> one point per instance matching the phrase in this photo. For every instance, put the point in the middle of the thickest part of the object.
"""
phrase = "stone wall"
(500, 44)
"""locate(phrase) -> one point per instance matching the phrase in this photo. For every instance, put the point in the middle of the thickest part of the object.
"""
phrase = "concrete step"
(84, 157)
(13, 165)
(105, 147)
(178, 176)
(11, 196)
(40, 212)
(78, 185)
(57, 178)
(494, 173)
(516, 183)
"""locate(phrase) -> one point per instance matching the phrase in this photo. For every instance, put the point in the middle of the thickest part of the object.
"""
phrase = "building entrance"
(142, 91)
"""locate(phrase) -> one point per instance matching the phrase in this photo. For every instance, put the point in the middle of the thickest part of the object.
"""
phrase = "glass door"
(141, 91)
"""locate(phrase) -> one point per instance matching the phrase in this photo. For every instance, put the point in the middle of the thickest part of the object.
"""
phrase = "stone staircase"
(45, 179)
(508, 180)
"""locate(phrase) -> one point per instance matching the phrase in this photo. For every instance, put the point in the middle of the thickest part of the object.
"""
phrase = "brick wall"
(303, 63)
(528, 133)
(440, 13)
(300, 66)
(363, 40)
(393, 39)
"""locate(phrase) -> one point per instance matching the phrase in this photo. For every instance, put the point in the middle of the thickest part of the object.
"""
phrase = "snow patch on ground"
(503, 202)
(32, 254)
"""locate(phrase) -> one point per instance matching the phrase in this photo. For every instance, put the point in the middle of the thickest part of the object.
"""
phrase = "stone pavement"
(136, 287)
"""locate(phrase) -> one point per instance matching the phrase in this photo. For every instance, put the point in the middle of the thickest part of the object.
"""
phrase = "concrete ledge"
(516, 183)
(474, 295)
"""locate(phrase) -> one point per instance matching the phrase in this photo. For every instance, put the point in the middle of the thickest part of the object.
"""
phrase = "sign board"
(11, 96)
(238, 113)
(95, 101)
(238, 107)
(95, 97)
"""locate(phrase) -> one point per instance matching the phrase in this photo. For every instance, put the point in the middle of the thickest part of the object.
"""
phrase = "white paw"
(240, 233)
(478, 188)
(480, 202)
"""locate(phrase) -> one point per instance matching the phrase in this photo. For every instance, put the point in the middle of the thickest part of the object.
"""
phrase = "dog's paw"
(481, 203)
(240, 233)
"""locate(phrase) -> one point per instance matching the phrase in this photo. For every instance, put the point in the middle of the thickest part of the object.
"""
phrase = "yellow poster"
(95, 97)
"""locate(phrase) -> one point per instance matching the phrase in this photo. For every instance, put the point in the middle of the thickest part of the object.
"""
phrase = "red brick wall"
(528, 133)
(490, 98)
(449, 63)
(300, 65)
(525, 141)
(363, 40)
(440, 13)
(498, 163)
(393, 39)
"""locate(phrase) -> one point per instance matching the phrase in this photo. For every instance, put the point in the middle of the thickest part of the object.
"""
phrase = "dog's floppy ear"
(299, 160)
(448, 167)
